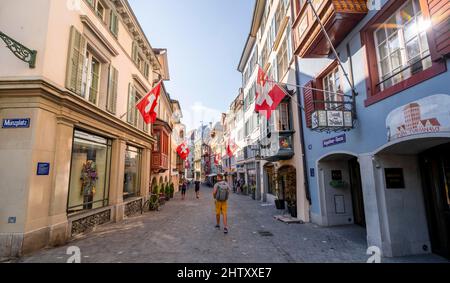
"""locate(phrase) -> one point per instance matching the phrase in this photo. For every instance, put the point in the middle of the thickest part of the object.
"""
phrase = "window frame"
(372, 72)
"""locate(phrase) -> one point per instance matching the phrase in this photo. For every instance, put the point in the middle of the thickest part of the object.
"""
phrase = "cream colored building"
(280, 168)
(84, 158)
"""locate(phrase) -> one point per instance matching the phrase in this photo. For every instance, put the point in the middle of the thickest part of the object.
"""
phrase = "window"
(90, 82)
(279, 16)
(402, 48)
(332, 86)
(131, 182)
(402, 45)
(114, 23)
(282, 59)
(284, 119)
(89, 172)
(100, 10)
(157, 146)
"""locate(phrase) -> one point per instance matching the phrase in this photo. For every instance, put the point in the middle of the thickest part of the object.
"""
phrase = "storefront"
(89, 172)
(132, 172)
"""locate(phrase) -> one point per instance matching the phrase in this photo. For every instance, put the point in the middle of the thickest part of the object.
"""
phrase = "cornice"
(69, 104)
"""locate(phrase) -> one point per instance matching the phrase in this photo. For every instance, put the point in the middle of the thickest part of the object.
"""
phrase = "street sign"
(43, 169)
(16, 123)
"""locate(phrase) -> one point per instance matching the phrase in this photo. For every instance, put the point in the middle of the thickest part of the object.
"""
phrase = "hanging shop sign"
(329, 120)
(428, 115)
(335, 141)
(16, 123)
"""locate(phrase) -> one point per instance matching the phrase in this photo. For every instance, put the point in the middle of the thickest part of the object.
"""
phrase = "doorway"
(435, 169)
(359, 216)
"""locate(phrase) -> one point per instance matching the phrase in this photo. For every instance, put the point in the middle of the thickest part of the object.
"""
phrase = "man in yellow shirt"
(221, 193)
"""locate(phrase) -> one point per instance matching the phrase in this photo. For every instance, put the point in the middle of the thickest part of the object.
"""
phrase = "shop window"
(89, 173)
(131, 185)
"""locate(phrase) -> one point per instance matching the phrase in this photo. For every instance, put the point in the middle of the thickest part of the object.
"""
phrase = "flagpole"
(128, 110)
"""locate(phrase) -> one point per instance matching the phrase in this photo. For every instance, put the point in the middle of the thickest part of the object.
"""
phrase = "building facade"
(274, 148)
(378, 139)
(79, 155)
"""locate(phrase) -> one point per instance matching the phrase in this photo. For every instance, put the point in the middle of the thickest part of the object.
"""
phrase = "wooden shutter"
(439, 13)
(131, 114)
(308, 102)
(77, 51)
(112, 90)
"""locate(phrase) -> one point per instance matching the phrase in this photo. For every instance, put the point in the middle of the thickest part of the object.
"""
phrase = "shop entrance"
(341, 190)
(435, 168)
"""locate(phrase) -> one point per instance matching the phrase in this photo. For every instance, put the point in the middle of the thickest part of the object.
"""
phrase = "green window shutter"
(132, 111)
(112, 90)
(130, 104)
(77, 51)
(114, 23)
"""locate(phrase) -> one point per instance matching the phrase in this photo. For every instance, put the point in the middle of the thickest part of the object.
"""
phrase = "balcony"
(278, 146)
(160, 162)
(338, 16)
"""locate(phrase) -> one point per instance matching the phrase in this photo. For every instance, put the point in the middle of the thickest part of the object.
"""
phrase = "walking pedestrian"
(221, 193)
(197, 189)
(183, 189)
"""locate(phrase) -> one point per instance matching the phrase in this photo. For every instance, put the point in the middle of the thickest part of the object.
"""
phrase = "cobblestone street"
(184, 232)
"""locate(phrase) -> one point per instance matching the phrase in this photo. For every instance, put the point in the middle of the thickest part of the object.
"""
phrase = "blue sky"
(204, 39)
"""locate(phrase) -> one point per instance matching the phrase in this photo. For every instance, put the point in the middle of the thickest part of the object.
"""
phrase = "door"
(435, 167)
(359, 215)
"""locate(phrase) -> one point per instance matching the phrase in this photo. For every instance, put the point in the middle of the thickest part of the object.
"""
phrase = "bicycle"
(152, 204)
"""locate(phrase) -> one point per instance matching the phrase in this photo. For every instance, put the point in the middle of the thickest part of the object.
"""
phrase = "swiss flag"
(216, 159)
(183, 151)
(231, 148)
(148, 104)
(268, 94)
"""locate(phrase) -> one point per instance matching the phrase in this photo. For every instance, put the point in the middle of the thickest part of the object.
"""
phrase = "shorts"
(183, 191)
(221, 207)
(197, 189)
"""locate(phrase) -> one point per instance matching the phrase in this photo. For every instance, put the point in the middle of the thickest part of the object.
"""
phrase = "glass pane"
(381, 35)
(394, 42)
(383, 50)
(424, 42)
(410, 30)
(412, 49)
(406, 13)
(132, 172)
(396, 59)
(89, 174)
(391, 26)
(385, 69)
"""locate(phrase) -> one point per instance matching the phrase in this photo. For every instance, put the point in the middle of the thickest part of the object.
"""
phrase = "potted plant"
(162, 197)
(291, 201)
(172, 190)
(253, 190)
(244, 190)
(167, 192)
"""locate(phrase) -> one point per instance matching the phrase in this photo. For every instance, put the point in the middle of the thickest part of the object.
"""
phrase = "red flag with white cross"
(183, 151)
(268, 94)
(147, 105)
